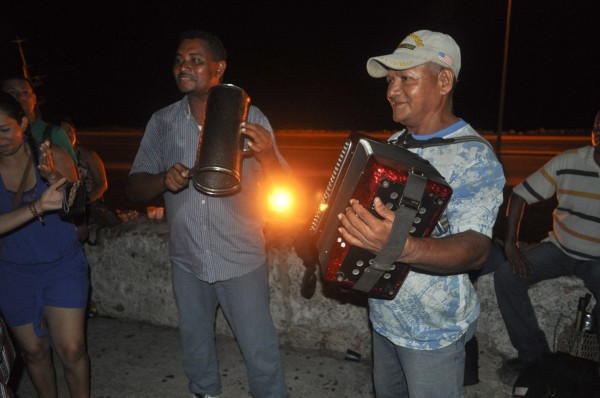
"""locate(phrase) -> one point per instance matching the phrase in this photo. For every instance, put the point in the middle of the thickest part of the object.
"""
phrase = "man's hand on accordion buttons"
(362, 229)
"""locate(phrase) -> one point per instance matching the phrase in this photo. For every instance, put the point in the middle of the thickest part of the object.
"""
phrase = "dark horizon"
(109, 64)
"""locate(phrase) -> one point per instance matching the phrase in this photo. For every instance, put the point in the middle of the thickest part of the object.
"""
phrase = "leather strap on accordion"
(405, 214)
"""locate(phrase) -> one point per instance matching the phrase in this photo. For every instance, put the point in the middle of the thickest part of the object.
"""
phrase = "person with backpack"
(98, 214)
(22, 90)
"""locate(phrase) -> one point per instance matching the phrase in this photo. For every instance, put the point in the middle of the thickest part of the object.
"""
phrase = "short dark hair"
(215, 45)
(16, 77)
(10, 106)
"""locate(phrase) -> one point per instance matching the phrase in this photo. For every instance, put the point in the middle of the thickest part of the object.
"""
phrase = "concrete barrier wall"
(131, 278)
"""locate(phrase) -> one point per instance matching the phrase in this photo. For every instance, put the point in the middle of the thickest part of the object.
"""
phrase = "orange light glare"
(280, 200)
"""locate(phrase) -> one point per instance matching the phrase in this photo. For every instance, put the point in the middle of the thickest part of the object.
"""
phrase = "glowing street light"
(280, 200)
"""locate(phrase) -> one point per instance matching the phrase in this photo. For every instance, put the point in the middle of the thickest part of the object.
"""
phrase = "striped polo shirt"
(215, 238)
(574, 177)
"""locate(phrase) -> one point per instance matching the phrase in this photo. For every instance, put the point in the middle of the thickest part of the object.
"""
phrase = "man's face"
(21, 90)
(194, 69)
(414, 95)
(596, 131)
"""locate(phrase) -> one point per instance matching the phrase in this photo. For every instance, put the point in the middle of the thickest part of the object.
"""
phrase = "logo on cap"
(445, 58)
(407, 45)
(416, 42)
(417, 39)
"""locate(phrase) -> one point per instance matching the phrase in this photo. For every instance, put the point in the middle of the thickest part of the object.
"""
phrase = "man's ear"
(221, 66)
(446, 80)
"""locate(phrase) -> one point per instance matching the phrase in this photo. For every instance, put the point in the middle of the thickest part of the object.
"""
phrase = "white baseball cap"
(417, 49)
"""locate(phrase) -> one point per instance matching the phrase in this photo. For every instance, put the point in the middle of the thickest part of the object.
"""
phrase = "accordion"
(407, 184)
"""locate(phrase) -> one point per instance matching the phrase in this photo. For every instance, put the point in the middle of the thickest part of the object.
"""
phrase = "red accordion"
(406, 183)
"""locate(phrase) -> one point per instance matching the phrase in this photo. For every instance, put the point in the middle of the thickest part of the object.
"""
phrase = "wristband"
(33, 210)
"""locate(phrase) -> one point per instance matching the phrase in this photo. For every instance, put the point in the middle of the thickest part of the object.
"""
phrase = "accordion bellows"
(369, 168)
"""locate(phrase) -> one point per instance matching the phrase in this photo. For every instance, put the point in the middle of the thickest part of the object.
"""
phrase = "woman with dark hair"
(43, 269)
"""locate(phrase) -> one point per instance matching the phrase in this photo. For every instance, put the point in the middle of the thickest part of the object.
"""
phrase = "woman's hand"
(52, 197)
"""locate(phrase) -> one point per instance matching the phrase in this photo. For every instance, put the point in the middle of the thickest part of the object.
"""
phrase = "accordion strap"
(405, 215)
(406, 140)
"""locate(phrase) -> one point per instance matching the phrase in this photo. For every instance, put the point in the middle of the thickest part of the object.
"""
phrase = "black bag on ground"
(559, 375)
(103, 215)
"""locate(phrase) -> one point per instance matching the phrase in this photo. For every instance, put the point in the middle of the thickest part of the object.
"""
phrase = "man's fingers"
(349, 238)
(177, 178)
(348, 220)
(60, 183)
(383, 210)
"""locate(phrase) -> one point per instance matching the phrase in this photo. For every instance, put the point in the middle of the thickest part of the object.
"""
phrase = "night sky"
(108, 63)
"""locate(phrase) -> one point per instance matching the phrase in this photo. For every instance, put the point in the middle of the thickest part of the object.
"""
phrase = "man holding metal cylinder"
(217, 246)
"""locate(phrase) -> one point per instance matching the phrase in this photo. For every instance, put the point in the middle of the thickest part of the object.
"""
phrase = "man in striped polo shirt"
(571, 248)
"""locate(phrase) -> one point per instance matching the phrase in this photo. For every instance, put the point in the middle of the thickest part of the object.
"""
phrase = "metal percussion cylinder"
(217, 171)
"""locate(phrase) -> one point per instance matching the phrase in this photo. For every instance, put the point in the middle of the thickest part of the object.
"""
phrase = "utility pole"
(503, 81)
(23, 61)
(35, 80)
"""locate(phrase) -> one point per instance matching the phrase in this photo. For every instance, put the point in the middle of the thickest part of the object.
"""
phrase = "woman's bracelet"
(33, 210)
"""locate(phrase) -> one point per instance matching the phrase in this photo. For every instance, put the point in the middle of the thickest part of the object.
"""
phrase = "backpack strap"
(47, 133)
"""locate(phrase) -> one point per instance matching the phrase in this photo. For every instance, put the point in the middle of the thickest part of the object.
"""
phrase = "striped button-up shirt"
(574, 176)
(215, 238)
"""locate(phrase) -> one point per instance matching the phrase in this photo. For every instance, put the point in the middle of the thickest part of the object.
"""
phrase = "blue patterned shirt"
(433, 311)
(215, 238)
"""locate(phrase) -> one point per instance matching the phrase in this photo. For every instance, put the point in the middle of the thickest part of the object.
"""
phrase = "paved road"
(138, 360)
(312, 156)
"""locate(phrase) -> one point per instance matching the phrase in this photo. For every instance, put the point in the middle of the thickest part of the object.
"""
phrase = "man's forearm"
(456, 253)
(142, 187)
(516, 205)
